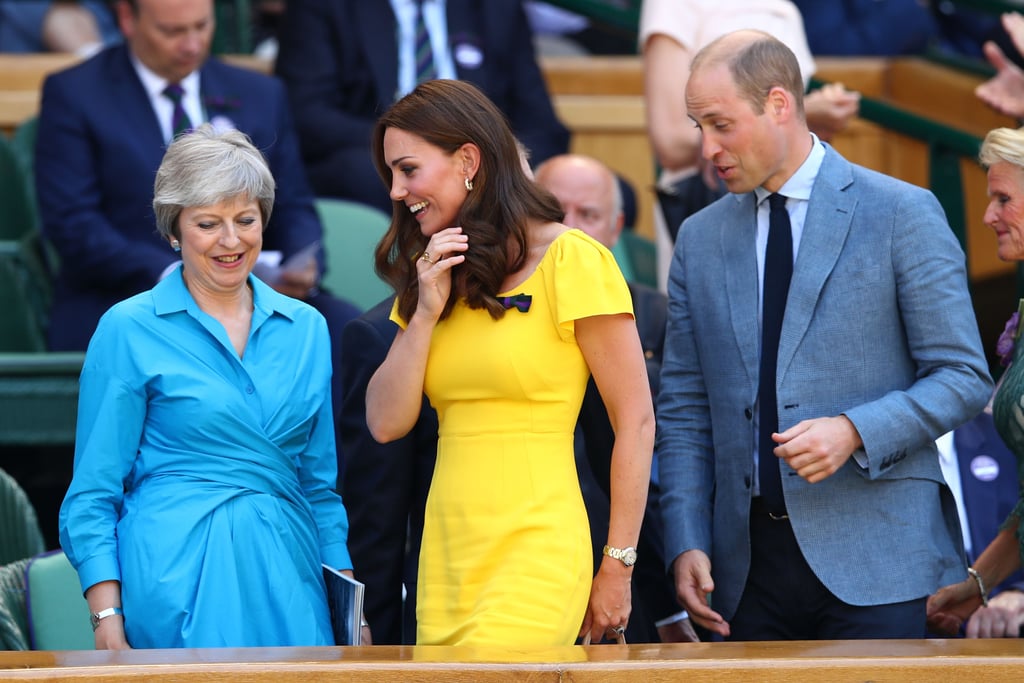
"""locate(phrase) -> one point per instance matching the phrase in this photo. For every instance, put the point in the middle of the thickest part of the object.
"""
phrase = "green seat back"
(621, 253)
(351, 233)
(58, 615)
(24, 297)
(18, 216)
(20, 535)
(13, 618)
(642, 256)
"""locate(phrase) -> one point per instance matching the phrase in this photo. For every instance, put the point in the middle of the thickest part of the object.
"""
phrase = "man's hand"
(1004, 92)
(830, 108)
(817, 448)
(678, 632)
(298, 284)
(1003, 617)
(692, 571)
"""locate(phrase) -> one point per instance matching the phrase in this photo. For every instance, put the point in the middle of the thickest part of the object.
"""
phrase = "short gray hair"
(1003, 144)
(205, 167)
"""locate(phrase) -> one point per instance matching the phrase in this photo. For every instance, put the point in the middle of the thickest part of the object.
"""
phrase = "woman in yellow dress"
(504, 313)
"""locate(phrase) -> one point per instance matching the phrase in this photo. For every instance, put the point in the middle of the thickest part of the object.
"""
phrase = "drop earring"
(175, 245)
(469, 184)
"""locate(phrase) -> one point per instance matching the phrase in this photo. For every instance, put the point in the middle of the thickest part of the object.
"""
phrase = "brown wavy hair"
(449, 114)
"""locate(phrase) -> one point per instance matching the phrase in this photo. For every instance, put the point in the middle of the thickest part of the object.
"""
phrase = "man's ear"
(125, 17)
(779, 103)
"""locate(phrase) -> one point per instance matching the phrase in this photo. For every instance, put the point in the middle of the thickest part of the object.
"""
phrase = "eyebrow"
(400, 160)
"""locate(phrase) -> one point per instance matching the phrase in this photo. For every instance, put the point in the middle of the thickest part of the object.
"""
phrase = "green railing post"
(946, 183)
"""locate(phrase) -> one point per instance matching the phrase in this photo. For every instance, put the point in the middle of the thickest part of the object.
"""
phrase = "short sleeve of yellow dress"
(506, 556)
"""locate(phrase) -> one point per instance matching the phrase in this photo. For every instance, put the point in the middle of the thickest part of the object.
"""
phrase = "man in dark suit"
(103, 128)
(342, 61)
(982, 472)
(589, 194)
(798, 409)
(384, 486)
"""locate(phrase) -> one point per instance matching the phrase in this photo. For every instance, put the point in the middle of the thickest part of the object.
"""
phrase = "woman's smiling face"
(220, 243)
(429, 181)
(1005, 211)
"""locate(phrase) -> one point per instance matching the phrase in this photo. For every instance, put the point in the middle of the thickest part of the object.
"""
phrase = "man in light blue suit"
(878, 354)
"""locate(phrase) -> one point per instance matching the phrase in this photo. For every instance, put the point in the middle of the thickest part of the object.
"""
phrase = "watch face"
(628, 557)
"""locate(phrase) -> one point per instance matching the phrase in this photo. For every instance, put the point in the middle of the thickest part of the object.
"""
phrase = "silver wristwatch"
(96, 617)
(626, 556)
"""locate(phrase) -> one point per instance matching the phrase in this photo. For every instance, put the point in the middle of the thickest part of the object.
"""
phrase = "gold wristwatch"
(626, 556)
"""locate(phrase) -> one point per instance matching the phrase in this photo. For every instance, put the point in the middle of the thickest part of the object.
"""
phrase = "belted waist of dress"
(221, 474)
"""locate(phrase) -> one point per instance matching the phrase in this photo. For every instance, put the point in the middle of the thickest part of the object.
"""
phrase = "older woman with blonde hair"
(202, 503)
(1002, 155)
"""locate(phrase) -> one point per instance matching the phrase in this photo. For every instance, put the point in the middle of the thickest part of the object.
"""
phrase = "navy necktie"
(180, 122)
(778, 269)
(425, 69)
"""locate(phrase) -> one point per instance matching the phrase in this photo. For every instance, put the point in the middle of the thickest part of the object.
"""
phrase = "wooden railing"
(924, 661)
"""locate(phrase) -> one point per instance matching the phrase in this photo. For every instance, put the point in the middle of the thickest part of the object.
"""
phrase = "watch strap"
(96, 617)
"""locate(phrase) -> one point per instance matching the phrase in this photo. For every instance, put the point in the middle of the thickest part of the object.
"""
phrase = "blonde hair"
(1003, 144)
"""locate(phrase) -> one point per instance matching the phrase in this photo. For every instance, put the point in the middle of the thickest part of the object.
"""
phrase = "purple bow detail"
(520, 301)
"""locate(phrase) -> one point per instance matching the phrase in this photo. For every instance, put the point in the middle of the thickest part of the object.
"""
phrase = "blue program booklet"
(345, 600)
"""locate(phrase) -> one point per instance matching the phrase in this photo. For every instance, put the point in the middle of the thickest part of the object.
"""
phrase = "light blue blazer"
(879, 327)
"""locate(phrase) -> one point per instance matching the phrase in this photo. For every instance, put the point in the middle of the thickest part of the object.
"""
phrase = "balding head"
(757, 62)
(588, 192)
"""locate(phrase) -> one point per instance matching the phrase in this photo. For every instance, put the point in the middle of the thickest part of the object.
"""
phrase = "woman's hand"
(109, 635)
(610, 601)
(951, 606)
(443, 252)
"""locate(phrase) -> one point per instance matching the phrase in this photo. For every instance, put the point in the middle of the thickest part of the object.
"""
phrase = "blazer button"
(746, 481)
(748, 413)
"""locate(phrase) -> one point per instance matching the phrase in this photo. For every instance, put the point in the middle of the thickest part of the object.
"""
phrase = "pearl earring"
(175, 245)
(469, 184)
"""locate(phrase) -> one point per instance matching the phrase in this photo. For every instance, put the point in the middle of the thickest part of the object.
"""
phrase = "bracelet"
(981, 585)
(363, 623)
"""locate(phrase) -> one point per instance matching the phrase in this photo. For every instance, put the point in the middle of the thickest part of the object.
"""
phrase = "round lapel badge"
(984, 468)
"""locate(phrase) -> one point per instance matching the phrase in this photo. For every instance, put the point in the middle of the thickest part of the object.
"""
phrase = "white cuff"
(677, 617)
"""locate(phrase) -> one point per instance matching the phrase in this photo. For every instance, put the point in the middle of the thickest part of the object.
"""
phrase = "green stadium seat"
(351, 233)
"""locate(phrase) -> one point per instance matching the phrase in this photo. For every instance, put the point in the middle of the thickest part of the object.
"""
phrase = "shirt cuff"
(675, 618)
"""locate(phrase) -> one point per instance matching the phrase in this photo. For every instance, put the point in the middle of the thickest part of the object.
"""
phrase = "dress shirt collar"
(801, 183)
(154, 86)
(436, 19)
(170, 295)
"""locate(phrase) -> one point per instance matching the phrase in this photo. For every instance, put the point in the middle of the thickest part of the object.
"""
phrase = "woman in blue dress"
(1002, 154)
(202, 503)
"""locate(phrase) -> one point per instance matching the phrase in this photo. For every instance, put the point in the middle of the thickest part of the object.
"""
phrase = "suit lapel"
(380, 36)
(741, 285)
(826, 227)
(132, 101)
(464, 38)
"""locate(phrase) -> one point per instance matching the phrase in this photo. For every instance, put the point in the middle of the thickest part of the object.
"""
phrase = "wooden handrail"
(792, 662)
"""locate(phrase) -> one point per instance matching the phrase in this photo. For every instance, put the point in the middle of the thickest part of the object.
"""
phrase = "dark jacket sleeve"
(383, 485)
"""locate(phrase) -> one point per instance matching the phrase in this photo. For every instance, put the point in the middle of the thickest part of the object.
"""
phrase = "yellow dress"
(506, 556)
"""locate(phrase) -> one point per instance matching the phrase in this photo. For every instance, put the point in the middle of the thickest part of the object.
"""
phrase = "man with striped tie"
(346, 61)
(103, 127)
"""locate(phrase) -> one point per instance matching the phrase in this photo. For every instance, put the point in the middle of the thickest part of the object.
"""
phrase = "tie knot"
(776, 201)
(174, 91)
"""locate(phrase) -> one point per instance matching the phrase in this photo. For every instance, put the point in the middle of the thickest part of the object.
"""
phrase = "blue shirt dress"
(204, 482)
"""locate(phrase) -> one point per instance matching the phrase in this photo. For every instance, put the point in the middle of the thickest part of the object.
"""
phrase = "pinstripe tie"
(180, 122)
(425, 69)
